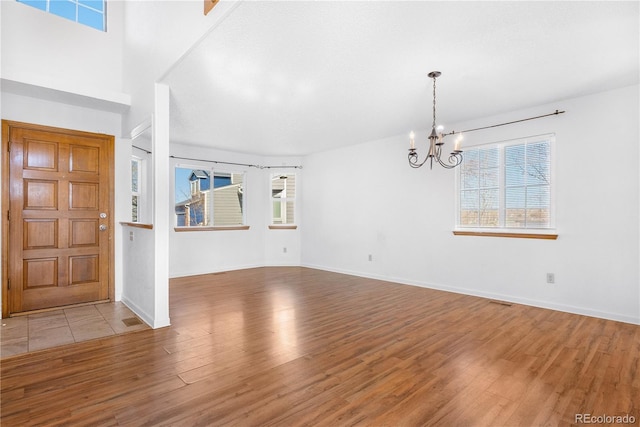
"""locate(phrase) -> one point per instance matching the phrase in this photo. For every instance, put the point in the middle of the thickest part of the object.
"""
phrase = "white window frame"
(139, 193)
(502, 228)
(283, 200)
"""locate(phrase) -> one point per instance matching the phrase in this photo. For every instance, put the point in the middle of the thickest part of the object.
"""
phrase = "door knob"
(102, 227)
(103, 215)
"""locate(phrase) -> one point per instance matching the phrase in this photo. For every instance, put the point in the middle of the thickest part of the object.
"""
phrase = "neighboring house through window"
(197, 204)
(87, 12)
(507, 185)
(283, 195)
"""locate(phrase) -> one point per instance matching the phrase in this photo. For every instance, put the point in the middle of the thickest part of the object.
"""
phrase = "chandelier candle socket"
(436, 141)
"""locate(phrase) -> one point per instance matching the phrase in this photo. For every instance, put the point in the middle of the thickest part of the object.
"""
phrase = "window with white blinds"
(507, 185)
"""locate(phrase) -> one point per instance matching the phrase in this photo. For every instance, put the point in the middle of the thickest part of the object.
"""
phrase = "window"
(205, 198)
(136, 187)
(283, 196)
(507, 185)
(87, 12)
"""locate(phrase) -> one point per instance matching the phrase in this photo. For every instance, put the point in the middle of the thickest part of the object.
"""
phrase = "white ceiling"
(292, 78)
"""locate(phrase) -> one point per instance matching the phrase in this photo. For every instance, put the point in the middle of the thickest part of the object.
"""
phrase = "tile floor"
(23, 334)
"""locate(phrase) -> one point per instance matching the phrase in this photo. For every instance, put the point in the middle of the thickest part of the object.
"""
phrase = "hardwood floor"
(296, 346)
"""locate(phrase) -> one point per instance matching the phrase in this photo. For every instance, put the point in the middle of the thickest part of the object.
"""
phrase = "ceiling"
(297, 77)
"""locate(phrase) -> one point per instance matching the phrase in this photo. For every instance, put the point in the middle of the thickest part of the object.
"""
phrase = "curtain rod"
(236, 164)
(507, 123)
(141, 149)
(453, 132)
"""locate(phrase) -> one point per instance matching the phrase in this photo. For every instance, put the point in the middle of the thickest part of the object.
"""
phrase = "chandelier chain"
(434, 103)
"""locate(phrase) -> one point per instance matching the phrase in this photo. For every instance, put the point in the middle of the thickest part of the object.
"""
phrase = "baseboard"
(230, 268)
(213, 271)
(585, 311)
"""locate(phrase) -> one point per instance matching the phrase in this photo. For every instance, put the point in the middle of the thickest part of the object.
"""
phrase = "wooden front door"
(60, 216)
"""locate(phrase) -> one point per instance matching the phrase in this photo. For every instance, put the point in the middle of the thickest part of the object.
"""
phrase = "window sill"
(222, 228)
(503, 234)
(283, 227)
(137, 225)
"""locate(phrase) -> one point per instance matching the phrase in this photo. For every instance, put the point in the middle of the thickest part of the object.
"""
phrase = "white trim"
(36, 86)
(146, 318)
(215, 271)
(584, 311)
(146, 124)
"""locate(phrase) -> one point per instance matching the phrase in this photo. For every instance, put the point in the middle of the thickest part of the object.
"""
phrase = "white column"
(161, 211)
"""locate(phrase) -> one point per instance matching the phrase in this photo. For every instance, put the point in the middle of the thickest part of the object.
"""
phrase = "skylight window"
(91, 13)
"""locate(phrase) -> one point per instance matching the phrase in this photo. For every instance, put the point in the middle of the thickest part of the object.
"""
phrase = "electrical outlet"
(284, 250)
(551, 278)
(131, 236)
(370, 257)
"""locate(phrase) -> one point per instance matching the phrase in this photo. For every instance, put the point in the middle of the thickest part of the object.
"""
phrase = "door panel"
(83, 269)
(84, 159)
(40, 194)
(83, 196)
(83, 232)
(40, 234)
(59, 185)
(40, 272)
(40, 155)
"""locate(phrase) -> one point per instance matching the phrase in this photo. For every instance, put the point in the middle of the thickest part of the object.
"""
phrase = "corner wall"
(365, 199)
(201, 252)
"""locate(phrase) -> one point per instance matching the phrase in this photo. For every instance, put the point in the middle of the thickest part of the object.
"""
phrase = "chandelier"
(436, 141)
(436, 138)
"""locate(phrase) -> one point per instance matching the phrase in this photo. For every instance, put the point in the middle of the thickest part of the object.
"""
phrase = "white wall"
(158, 33)
(365, 199)
(47, 50)
(31, 110)
(199, 252)
(138, 246)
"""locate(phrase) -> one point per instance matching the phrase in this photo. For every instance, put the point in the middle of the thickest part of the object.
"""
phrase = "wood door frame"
(109, 146)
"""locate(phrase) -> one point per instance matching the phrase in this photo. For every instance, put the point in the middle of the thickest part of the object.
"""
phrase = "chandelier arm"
(413, 159)
(455, 159)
